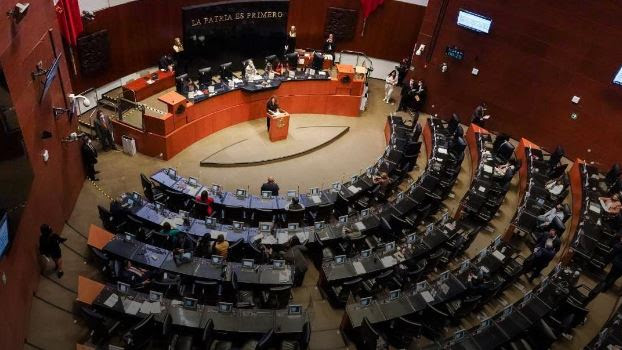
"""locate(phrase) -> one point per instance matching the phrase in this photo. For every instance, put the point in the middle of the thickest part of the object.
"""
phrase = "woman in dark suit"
(272, 108)
(329, 45)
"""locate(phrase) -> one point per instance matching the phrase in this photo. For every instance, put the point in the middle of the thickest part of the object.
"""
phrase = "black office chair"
(176, 201)
(294, 216)
(161, 240)
(613, 174)
(342, 292)
(243, 299)
(301, 343)
(505, 152)
(435, 321)
(139, 336)
(263, 215)
(109, 222)
(101, 328)
(556, 157)
(276, 297)
(368, 336)
(341, 206)
(207, 338)
(265, 341)
(236, 251)
(499, 140)
(151, 193)
(401, 331)
(169, 287)
(181, 342)
(458, 147)
(234, 213)
(465, 307)
(206, 291)
(323, 212)
(453, 124)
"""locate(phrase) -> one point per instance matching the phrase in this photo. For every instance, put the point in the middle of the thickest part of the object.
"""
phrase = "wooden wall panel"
(537, 56)
(142, 31)
(57, 183)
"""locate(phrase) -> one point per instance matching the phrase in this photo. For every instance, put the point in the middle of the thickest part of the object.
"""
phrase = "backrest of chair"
(306, 336)
(104, 215)
(505, 150)
(407, 327)
(265, 340)
(369, 335)
(207, 333)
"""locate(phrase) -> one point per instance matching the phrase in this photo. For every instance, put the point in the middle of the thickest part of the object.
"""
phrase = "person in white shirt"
(389, 84)
(548, 217)
(250, 70)
(555, 186)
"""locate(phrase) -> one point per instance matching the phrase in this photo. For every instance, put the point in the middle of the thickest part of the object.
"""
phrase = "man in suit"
(103, 128)
(271, 186)
(407, 95)
(89, 158)
(480, 115)
(547, 246)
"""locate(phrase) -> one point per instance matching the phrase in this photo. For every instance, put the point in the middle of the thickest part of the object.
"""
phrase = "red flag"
(370, 6)
(70, 20)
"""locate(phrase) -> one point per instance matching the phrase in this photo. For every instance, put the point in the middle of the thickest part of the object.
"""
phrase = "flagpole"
(364, 23)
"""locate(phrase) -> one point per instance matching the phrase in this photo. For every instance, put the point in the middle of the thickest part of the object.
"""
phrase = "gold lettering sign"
(238, 16)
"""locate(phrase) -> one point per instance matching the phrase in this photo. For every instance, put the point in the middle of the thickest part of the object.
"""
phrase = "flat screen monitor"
(49, 77)
(266, 194)
(172, 172)
(225, 307)
(248, 263)
(618, 77)
(340, 259)
(238, 225)
(318, 225)
(292, 60)
(205, 76)
(180, 85)
(389, 247)
(216, 188)
(394, 294)
(217, 259)
(474, 21)
(155, 296)
(225, 71)
(365, 301)
(240, 192)
(292, 226)
(365, 253)
(264, 227)
(365, 212)
(343, 219)
(292, 193)
(190, 303)
(192, 181)
(123, 287)
(210, 221)
(278, 264)
(4, 233)
(294, 309)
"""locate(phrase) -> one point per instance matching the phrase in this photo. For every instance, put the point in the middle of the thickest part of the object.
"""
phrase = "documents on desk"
(481, 189)
(359, 226)
(427, 296)
(353, 189)
(112, 300)
(497, 254)
(359, 268)
(131, 307)
(149, 307)
(285, 275)
(488, 168)
(595, 208)
(316, 199)
(282, 237)
(442, 150)
(302, 235)
(268, 239)
(388, 261)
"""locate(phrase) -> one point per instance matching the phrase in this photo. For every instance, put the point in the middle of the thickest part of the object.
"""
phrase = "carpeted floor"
(53, 325)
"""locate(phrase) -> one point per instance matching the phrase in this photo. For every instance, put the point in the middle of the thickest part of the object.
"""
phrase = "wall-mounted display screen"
(4, 232)
(474, 21)
(618, 77)
(233, 31)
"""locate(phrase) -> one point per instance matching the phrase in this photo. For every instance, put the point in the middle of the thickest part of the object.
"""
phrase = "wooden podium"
(279, 126)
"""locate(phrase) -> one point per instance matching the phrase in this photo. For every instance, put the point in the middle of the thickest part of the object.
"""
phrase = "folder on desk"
(285, 275)
(112, 300)
(595, 208)
(316, 199)
(488, 169)
(442, 150)
(269, 239)
(358, 267)
(497, 254)
(353, 189)
(282, 237)
(145, 307)
(302, 235)
(131, 307)
(427, 296)
(156, 307)
(388, 261)
(359, 226)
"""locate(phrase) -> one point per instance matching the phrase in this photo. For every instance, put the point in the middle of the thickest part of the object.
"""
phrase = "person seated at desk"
(295, 256)
(407, 95)
(290, 44)
(206, 199)
(117, 210)
(278, 67)
(166, 63)
(500, 170)
(546, 247)
(190, 85)
(249, 70)
(612, 205)
(272, 107)
(271, 186)
(480, 115)
(418, 98)
(294, 204)
(134, 275)
(478, 282)
(555, 186)
(220, 246)
(183, 249)
(171, 232)
(545, 219)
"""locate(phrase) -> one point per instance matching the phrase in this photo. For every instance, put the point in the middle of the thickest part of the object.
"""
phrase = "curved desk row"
(247, 321)
(187, 122)
(154, 257)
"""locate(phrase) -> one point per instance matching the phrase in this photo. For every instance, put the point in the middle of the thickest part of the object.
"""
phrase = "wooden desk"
(98, 237)
(169, 134)
(279, 126)
(576, 190)
(88, 290)
(474, 151)
(139, 89)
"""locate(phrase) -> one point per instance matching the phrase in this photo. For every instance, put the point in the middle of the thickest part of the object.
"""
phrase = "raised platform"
(248, 144)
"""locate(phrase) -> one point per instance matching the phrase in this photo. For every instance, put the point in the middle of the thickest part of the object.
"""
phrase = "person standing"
(103, 129)
(89, 158)
(272, 107)
(329, 45)
(419, 95)
(49, 246)
(271, 186)
(546, 247)
(406, 95)
(389, 84)
(295, 256)
(290, 45)
(402, 69)
(480, 115)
